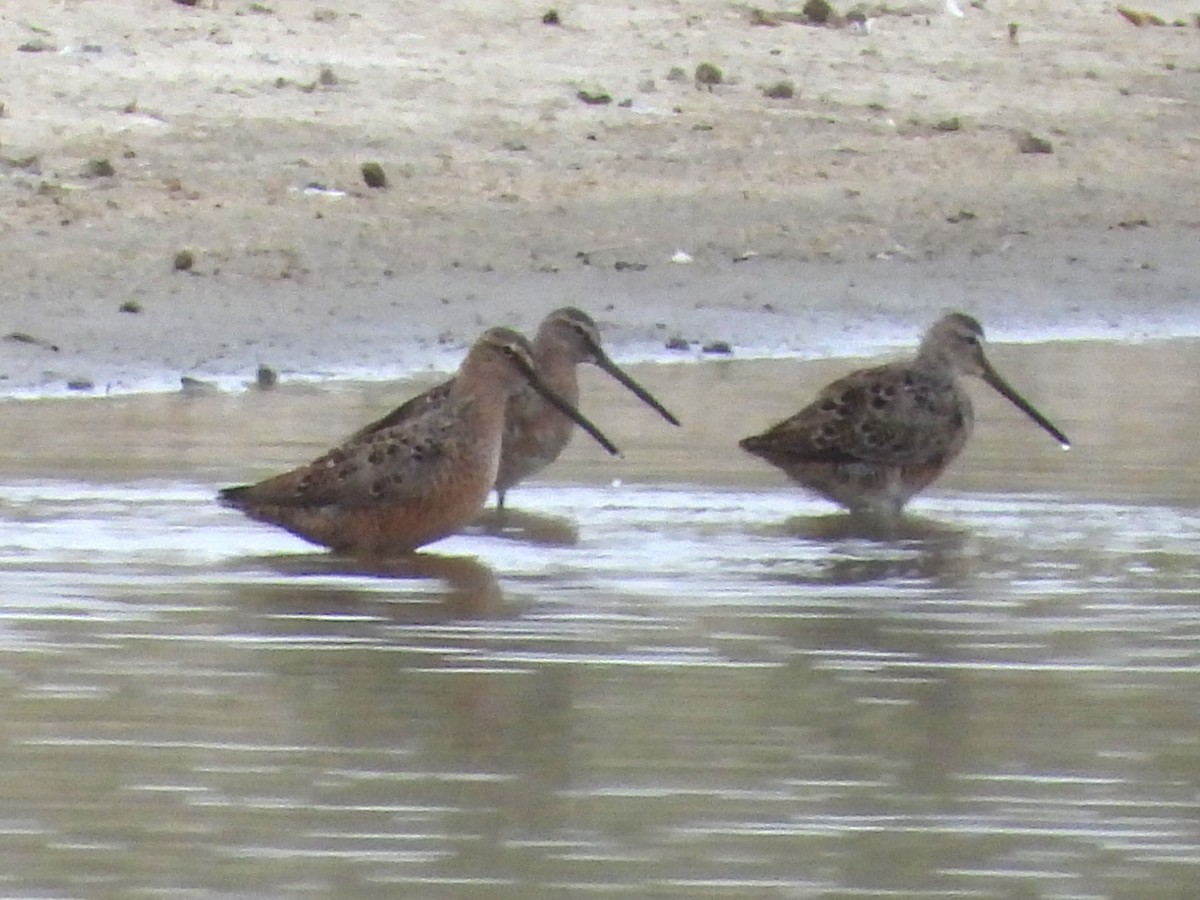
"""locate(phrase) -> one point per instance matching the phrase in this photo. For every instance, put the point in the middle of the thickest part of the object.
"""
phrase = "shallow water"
(698, 683)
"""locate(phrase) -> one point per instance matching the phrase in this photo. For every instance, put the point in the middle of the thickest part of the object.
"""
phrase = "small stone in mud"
(372, 175)
(677, 343)
(187, 2)
(99, 168)
(550, 17)
(184, 260)
(951, 124)
(131, 306)
(623, 266)
(780, 90)
(819, 12)
(707, 75)
(80, 384)
(30, 163)
(190, 385)
(1140, 17)
(594, 98)
(676, 73)
(37, 45)
(23, 337)
(327, 77)
(1031, 143)
(266, 377)
(717, 347)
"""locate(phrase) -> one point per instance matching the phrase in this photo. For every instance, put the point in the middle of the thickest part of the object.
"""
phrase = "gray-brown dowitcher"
(535, 432)
(873, 439)
(404, 485)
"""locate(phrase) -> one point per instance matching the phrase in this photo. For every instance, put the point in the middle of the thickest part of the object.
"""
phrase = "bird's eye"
(972, 339)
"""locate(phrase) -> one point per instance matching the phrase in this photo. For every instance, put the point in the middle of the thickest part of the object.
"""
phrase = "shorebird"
(407, 484)
(535, 431)
(873, 439)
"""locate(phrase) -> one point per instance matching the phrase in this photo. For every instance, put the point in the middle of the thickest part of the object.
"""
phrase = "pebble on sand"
(708, 75)
(1028, 142)
(265, 377)
(372, 175)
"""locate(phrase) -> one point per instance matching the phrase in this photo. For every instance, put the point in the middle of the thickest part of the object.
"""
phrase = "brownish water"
(696, 684)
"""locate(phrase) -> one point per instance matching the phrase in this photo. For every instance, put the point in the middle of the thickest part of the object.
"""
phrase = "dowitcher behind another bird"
(873, 439)
(404, 485)
(535, 432)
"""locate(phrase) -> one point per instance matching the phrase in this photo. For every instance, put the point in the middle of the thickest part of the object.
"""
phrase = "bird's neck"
(558, 367)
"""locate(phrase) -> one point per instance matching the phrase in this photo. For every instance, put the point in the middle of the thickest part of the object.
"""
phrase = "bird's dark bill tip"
(234, 495)
(750, 444)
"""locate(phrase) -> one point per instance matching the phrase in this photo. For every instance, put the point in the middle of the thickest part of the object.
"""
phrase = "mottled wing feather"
(881, 415)
(393, 464)
(406, 411)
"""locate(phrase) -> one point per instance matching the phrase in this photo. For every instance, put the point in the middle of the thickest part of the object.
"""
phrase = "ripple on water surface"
(698, 690)
(686, 692)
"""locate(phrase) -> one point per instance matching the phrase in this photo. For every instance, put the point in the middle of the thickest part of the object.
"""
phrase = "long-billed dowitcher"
(873, 439)
(410, 483)
(535, 432)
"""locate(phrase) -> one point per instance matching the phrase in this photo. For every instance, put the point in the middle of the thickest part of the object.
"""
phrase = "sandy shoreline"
(856, 216)
(761, 309)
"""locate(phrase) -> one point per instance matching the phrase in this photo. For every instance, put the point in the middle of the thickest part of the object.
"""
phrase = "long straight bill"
(566, 408)
(640, 392)
(993, 378)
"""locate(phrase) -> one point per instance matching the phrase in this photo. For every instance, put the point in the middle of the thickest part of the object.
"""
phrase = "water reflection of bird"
(422, 588)
(403, 485)
(527, 527)
(873, 439)
(536, 431)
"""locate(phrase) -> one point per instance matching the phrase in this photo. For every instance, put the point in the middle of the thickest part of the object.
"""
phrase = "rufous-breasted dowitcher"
(876, 437)
(404, 485)
(535, 431)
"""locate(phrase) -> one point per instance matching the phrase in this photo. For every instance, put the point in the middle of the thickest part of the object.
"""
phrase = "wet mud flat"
(673, 675)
